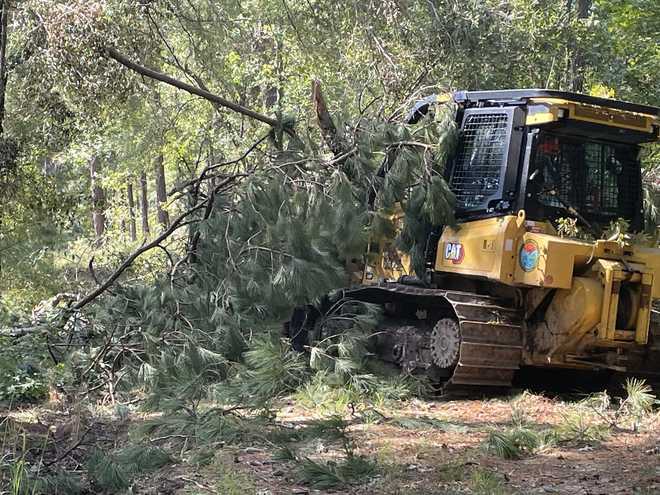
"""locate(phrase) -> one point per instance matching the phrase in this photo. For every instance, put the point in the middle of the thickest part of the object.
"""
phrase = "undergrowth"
(587, 423)
(347, 469)
(114, 472)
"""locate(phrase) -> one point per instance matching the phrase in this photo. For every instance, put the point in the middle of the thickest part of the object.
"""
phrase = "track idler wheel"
(445, 343)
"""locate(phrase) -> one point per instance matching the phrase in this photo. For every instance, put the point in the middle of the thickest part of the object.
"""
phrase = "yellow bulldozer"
(503, 290)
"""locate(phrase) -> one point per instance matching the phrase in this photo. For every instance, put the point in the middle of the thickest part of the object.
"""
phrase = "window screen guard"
(486, 160)
(601, 180)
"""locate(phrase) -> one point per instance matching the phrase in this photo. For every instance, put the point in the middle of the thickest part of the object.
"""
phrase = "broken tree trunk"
(326, 124)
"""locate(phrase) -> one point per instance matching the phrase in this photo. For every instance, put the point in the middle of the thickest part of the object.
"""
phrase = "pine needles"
(639, 401)
(324, 475)
(272, 368)
(114, 472)
(513, 443)
(350, 469)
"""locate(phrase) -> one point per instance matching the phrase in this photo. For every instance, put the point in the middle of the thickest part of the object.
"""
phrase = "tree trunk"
(578, 62)
(161, 192)
(132, 228)
(98, 200)
(4, 14)
(144, 204)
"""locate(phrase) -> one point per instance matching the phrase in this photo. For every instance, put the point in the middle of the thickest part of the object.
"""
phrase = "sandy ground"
(420, 447)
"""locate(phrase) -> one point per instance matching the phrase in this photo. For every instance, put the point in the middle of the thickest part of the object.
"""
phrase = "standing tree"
(98, 200)
(144, 204)
(132, 228)
(4, 15)
(161, 192)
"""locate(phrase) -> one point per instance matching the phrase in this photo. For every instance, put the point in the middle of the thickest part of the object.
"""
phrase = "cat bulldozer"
(503, 289)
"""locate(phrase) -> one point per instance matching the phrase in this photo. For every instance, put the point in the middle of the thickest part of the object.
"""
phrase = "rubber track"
(491, 334)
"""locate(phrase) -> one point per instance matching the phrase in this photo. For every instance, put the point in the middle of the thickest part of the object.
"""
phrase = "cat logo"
(454, 252)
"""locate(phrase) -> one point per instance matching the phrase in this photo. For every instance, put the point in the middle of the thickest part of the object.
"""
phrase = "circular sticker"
(529, 256)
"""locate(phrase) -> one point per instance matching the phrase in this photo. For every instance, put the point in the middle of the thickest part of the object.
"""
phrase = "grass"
(58, 484)
(484, 482)
(578, 428)
(351, 469)
(230, 481)
(454, 471)
(401, 448)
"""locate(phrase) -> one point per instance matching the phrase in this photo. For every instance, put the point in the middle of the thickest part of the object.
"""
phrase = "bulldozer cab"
(552, 154)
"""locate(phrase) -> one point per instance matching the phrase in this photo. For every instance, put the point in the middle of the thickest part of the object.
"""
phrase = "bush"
(21, 377)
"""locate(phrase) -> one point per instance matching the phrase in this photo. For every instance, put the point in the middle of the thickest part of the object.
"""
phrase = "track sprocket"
(445, 343)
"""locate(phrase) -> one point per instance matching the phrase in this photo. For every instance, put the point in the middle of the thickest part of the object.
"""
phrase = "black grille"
(477, 173)
(600, 180)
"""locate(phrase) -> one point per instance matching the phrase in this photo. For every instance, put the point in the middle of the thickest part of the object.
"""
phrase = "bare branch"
(202, 176)
(215, 99)
(178, 222)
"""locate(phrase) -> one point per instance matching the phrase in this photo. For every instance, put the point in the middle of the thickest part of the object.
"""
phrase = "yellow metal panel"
(554, 262)
(541, 114)
(596, 114)
(540, 118)
(483, 248)
(606, 277)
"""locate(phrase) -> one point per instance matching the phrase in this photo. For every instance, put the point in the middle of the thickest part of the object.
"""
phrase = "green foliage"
(22, 378)
(617, 230)
(57, 484)
(207, 428)
(281, 233)
(426, 423)
(588, 423)
(518, 440)
(106, 473)
(230, 481)
(568, 227)
(19, 476)
(513, 443)
(579, 428)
